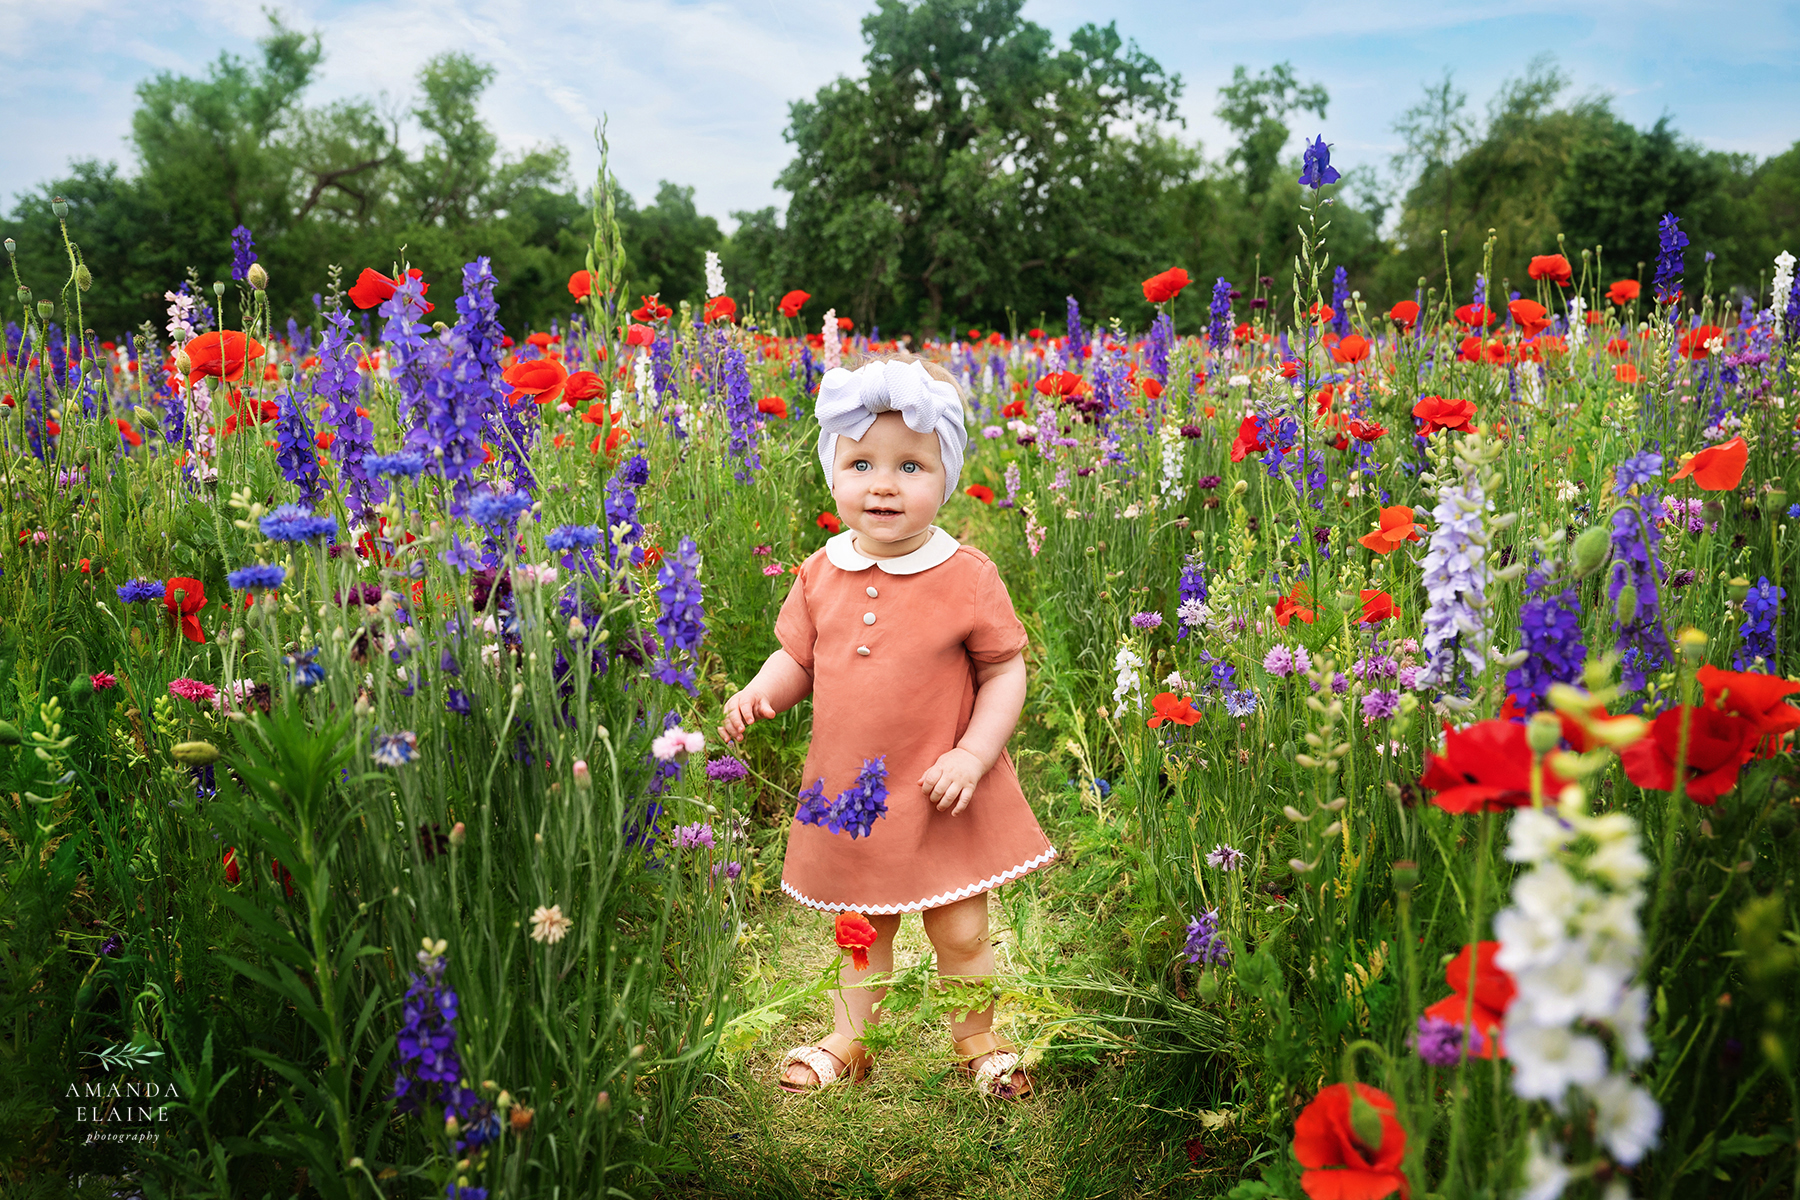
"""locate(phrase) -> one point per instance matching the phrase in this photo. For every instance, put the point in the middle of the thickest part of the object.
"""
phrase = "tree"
(666, 245)
(959, 177)
(1436, 132)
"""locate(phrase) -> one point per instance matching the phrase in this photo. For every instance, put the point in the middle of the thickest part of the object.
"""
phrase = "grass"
(1100, 1122)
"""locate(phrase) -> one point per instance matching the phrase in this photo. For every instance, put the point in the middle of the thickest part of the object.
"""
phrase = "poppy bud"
(45, 309)
(80, 687)
(9, 734)
(183, 364)
(602, 1102)
(459, 833)
(257, 276)
(1366, 1121)
(1592, 549)
(60, 207)
(1737, 589)
(1626, 609)
(84, 278)
(11, 246)
(219, 288)
(195, 754)
(24, 295)
(286, 369)
(584, 779)
(1693, 645)
(1406, 876)
(1542, 733)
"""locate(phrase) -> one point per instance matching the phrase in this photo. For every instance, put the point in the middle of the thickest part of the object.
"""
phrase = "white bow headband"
(849, 401)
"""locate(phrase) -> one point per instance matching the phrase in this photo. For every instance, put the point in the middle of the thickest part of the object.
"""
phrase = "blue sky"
(698, 90)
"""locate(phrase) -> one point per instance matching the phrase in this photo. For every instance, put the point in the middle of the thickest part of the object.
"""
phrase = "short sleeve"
(996, 634)
(794, 627)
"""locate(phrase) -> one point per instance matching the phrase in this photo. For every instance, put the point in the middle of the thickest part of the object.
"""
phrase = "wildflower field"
(1408, 706)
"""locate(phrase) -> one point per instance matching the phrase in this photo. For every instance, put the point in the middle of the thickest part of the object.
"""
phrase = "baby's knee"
(961, 937)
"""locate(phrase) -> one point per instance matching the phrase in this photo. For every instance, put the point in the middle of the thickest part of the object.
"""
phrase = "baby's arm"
(999, 699)
(781, 684)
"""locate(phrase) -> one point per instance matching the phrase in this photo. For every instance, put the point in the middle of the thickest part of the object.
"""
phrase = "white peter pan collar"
(937, 550)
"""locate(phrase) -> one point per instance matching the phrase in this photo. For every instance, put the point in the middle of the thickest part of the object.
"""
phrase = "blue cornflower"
(243, 253)
(573, 537)
(1240, 703)
(464, 556)
(1756, 636)
(136, 591)
(497, 510)
(726, 768)
(306, 672)
(457, 701)
(1316, 171)
(256, 576)
(395, 749)
(407, 464)
(294, 523)
(1205, 944)
(634, 472)
(1670, 242)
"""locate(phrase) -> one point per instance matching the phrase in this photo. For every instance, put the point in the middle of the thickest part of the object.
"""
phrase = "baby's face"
(888, 486)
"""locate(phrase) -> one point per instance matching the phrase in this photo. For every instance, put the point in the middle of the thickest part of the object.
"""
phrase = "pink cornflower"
(103, 680)
(192, 689)
(762, 551)
(774, 568)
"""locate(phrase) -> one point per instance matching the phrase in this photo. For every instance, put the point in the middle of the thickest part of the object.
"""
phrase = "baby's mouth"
(882, 512)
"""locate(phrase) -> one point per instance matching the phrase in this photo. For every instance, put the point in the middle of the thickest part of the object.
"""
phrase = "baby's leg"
(851, 1007)
(959, 934)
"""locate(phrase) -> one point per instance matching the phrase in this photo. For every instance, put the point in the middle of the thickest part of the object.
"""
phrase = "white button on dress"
(863, 650)
(873, 593)
(868, 618)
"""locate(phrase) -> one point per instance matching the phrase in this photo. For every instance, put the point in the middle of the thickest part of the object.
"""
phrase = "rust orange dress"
(891, 645)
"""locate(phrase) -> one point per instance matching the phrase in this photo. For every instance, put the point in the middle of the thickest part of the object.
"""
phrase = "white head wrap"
(850, 400)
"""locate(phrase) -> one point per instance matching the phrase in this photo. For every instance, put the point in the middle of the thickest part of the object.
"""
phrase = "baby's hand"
(741, 711)
(951, 780)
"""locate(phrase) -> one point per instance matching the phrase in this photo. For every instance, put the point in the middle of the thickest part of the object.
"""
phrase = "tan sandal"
(1003, 1075)
(829, 1066)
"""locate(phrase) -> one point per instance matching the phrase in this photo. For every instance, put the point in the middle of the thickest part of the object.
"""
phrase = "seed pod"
(1406, 876)
(1737, 589)
(59, 206)
(195, 754)
(219, 288)
(1627, 607)
(1542, 733)
(11, 247)
(257, 276)
(46, 308)
(84, 278)
(1592, 549)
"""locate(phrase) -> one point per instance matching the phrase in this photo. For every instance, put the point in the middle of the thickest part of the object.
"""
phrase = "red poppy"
(220, 355)
(1494, 992)
(132, 437)
(845, 325)
(1758, 698)
(1151, 388)
(372, 288)
(1064, 384)
(1619, 346)
(185, 597)
(1693, 342)
(983, 494)
(1242, 332)
(1474, 315)
(1015, 409)
(721, 308)
(280, 874)
(1352, 349)
(1340, 1164)
(1717, 468)
(1034, 333)
(829, 522)
(1485, 768)
(639, 335)
(1377, 606)
(1297, 603)
(855, 934)
(1718, 745)
(230, 863)
(1435, 413)
(1625, 373)
(324, 438)
(581, 285)
(1321, 312)
(1248, 440)
(1551, 266)
(1397, 525)
(1290, 367)
(793, 302)
(582, 386)
(775, 406)
(1160, 289)
(1365, 431)
(1530, 317)
(1170, 707)
(1404, 313)
(651, 310)
(1624, 291)
(613, 441)
(542, 379)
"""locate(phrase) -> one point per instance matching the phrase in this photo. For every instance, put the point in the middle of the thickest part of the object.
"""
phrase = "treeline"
(975, 174)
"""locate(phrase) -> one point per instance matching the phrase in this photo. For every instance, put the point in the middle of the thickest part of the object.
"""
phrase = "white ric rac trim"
(943, 898)
(938, 549)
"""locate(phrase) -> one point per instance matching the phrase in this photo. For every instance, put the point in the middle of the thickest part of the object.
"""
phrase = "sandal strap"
(817, 1059)
(978, 1044)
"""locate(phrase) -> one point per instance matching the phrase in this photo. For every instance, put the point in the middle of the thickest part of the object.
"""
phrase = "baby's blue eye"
(861, 464)
(909, 468)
